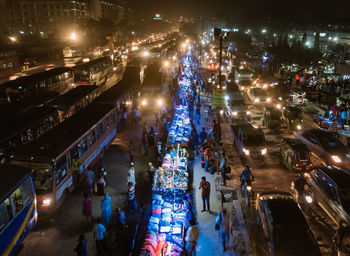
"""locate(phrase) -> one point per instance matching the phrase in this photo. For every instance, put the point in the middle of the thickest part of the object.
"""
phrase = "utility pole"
(220, 58)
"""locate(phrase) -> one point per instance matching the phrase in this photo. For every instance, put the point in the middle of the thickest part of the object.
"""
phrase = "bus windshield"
(43, 180)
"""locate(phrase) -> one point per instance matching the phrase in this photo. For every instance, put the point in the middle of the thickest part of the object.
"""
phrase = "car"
(330, 187)
(326, 147)
(258, 95)
(282, 228)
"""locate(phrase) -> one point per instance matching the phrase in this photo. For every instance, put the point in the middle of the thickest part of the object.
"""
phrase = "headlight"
(336, 159)
(278, 106)
(249, 188)
(263, 151)
(246, 151)
(235, 113)
(160, 102)
(265, 86)
(256, 100)
(227, 97)
(248, 112)
(299, 127)
(46, 202)
(144, 102)
(268, 99)
(308, 199)
(221, 112)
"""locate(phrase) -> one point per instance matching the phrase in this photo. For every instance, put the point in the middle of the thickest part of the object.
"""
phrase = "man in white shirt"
(191, 240)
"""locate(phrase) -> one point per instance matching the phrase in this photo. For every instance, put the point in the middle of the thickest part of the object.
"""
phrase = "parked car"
(330, 188)
(326, 147)
(282, 228)
(258, 95)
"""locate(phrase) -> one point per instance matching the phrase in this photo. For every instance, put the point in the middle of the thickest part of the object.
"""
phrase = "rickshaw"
(295, 155)
(271, 117)
(298, 96)
(292, 117)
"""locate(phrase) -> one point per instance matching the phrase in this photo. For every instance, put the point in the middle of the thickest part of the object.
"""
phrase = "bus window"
(82, 147)
(106, 124)
(17, 200)
(61, 169)
(43, 180)
(91, 138)
(6, 214)
(27, 191)
(99, 131)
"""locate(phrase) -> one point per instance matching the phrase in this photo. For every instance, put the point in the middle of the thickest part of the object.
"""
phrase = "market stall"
(171, 206)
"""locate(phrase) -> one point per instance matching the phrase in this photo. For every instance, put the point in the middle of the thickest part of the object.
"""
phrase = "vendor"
(173, 152)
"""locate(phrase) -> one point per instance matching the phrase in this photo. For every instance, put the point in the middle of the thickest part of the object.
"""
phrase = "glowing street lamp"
(13, 39)
(166, 63)
(263, 31)
(145, 53)
(73, 36)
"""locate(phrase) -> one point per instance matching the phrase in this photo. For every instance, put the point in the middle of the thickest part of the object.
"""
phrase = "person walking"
(132, 204)
(144, 141)
(99, 236)
(87, 207)
(137, 116)
(206, 158)
(121, 224)
(224, 221)
(106, 209)
(80, 250)
(131, 151)
(90, 180)
(100, 184)
(150, 137)
(191, 240)
(131, 174)
(205, 187)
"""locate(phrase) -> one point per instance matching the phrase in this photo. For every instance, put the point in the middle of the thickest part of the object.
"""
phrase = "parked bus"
(18, 213)
(57, 79)
(60, 158)
(93, 71)
(71, 102)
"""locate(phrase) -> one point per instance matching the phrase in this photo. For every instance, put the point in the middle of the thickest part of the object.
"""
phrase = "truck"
(244, 78)
(250, 142)
(152, 87)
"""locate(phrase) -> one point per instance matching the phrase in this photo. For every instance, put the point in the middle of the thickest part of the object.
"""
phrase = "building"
(51, 16)
(9, 63)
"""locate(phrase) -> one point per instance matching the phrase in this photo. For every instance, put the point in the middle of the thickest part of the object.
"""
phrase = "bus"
(60, 158)
(18, 213)
(93, 71)
(57, 79)
(71, 102)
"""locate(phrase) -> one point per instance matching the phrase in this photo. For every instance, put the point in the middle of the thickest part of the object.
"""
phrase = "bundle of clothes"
(180, 129)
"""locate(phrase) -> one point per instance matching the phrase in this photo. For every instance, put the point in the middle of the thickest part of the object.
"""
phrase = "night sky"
(305, 9)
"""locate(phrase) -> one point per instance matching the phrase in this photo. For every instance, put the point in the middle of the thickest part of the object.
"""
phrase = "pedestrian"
(224, 221)
(87, 207)
(203, 136)
(131, 174)
(99, 235)
(137, 116)
(106, 209)
(121, 224)
(223, 160)
(132, 204)
(207, 155)
(125, 118)
(191, 240)
(150, 137)
(100, 184)
(198, 114)
(90, 180)
(80, 250)
(205, 186)
(144, 141)
(131, 151)
(151, 171)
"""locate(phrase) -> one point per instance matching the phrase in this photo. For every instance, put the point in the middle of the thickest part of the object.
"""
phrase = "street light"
(13, 39)
(73, 36)
(166, 63)
(263, 31)
(146, 53)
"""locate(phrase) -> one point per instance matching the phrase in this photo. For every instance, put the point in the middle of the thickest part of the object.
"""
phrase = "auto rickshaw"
(295, 155)
(292, 117)
(271, 117)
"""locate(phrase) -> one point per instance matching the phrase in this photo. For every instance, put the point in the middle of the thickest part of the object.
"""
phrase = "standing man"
(131, 174)
(99, 235)
(131, 151)
(132, 204)
(191, 240)
(206, 158)
(225, 221)
(90, 180)
(205, 186)
(121, 224)
(87, 207)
